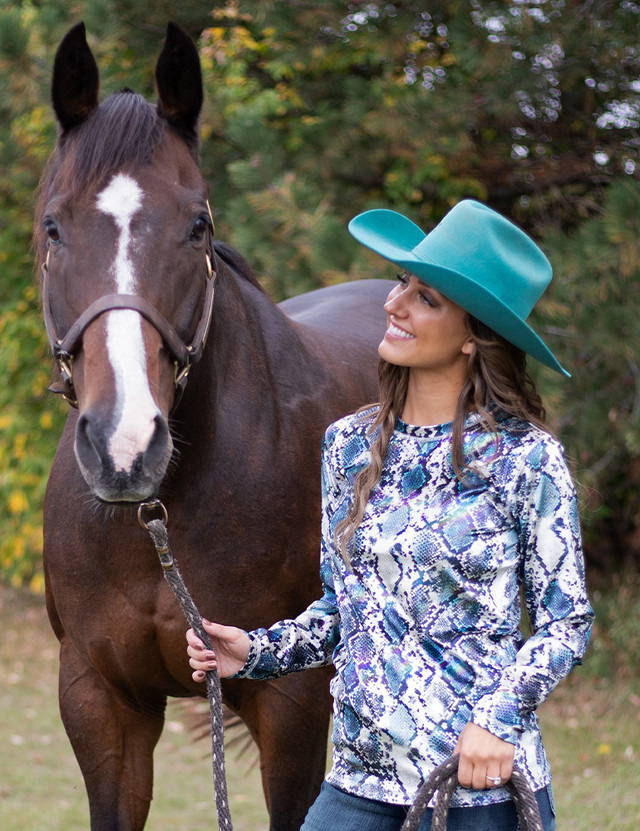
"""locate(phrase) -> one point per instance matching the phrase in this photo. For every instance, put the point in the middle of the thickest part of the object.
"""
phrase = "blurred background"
(316, 111)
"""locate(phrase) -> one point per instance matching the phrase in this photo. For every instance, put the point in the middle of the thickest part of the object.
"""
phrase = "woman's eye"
(402, 279)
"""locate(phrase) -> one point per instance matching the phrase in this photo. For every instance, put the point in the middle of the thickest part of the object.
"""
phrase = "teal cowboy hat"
(475, 257)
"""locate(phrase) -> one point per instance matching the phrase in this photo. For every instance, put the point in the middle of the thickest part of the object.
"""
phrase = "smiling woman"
(440, 504)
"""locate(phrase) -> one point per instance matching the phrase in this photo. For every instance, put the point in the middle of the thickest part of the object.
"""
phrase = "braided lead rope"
(441, 802)
(158, 532)
(444, 780)
(446, 772)
(526, 803)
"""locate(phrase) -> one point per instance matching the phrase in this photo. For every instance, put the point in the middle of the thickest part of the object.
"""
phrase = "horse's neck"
(254, 352)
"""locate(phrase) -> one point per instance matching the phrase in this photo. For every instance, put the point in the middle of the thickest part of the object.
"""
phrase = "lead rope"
(443, 781)
(157, 529)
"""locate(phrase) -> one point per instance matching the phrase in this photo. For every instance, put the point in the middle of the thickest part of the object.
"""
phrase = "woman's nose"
(394, 304)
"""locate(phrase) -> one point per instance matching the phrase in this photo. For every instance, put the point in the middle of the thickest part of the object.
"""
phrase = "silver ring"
(495, 780)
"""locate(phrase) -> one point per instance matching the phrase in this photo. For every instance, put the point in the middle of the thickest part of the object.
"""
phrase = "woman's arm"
(288, 646)
(555, 593)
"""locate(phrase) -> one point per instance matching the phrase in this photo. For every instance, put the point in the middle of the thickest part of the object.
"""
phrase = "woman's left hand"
(485, 760)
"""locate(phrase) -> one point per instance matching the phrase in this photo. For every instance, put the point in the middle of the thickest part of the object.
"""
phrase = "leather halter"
(65, 348)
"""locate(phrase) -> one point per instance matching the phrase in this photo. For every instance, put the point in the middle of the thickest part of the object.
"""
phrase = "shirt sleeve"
(308, 640)
(555, 593)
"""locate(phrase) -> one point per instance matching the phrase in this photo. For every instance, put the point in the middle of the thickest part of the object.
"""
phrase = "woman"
(439, 503)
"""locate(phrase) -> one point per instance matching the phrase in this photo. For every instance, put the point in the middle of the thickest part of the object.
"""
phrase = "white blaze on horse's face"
(122, 199)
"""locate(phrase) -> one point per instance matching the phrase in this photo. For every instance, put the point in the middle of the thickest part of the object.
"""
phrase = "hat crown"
(488, 249)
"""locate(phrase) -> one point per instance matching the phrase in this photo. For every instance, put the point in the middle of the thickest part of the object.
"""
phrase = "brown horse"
(124, 234)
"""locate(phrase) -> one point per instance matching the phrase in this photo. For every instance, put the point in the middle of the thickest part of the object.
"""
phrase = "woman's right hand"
(231, 650)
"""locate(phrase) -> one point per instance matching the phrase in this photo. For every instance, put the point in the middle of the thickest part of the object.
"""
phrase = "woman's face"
(425, 331)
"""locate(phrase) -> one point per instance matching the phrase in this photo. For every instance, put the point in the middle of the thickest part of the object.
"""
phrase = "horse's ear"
(179, 81)
(74, 89)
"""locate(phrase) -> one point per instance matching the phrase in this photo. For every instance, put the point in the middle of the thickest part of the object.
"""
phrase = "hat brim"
(395, 240)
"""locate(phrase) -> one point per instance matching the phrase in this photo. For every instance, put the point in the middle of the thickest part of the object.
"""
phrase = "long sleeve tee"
(423, 626)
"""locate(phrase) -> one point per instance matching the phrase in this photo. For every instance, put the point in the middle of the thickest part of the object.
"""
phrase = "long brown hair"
(497, 382)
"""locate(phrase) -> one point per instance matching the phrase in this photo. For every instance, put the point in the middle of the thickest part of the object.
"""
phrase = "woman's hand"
(483, 758)
(231, 650)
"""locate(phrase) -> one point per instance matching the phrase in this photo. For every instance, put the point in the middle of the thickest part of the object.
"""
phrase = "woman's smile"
(394, 331)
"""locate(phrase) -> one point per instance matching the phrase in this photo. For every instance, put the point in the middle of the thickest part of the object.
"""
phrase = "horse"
(137, 298)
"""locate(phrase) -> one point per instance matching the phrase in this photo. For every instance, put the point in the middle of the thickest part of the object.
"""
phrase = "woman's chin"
(391, 352)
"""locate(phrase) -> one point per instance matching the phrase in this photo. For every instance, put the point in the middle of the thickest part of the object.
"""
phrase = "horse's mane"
(237, 262)
(122, 133)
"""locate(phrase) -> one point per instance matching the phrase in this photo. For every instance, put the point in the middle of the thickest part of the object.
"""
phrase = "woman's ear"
(469, 347)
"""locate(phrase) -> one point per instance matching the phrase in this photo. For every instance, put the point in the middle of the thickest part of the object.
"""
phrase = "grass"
(591, 727)
(591, 730)
(41, 788)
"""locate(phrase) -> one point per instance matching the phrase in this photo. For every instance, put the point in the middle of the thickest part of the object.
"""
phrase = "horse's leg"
(113, 743)
(289, 720)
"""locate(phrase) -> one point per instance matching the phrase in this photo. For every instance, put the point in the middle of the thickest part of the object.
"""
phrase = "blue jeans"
(335, 810)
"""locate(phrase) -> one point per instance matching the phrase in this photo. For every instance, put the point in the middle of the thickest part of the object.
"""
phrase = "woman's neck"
(430, 401)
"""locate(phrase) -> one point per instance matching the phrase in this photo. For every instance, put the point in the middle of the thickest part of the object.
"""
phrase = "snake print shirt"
(424, 627)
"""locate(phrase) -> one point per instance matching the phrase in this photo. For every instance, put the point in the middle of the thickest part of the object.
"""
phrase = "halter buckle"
(180, 373)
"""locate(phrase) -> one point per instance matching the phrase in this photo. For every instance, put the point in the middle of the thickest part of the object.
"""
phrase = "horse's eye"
(199, 229)
(51, 230)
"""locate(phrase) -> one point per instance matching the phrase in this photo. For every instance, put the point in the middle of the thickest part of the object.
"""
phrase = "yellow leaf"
(46, 421)
(19, 445)
(36, 584)
(18, 502)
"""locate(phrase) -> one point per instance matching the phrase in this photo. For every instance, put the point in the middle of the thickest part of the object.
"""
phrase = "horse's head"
(124, 235)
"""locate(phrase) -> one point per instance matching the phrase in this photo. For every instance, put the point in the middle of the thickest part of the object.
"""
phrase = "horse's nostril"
(156, 452)
(87, 442)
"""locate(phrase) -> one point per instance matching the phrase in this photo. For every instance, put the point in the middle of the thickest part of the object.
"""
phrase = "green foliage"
(530, 106)
(310, 117)
(13, 34)
(593, 314)
(30, 423)
(614, 650)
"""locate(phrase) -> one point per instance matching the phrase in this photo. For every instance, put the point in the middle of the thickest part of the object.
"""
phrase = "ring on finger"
(495, 780)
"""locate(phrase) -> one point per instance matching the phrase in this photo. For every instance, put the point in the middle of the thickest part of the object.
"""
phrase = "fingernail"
(206, 622)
